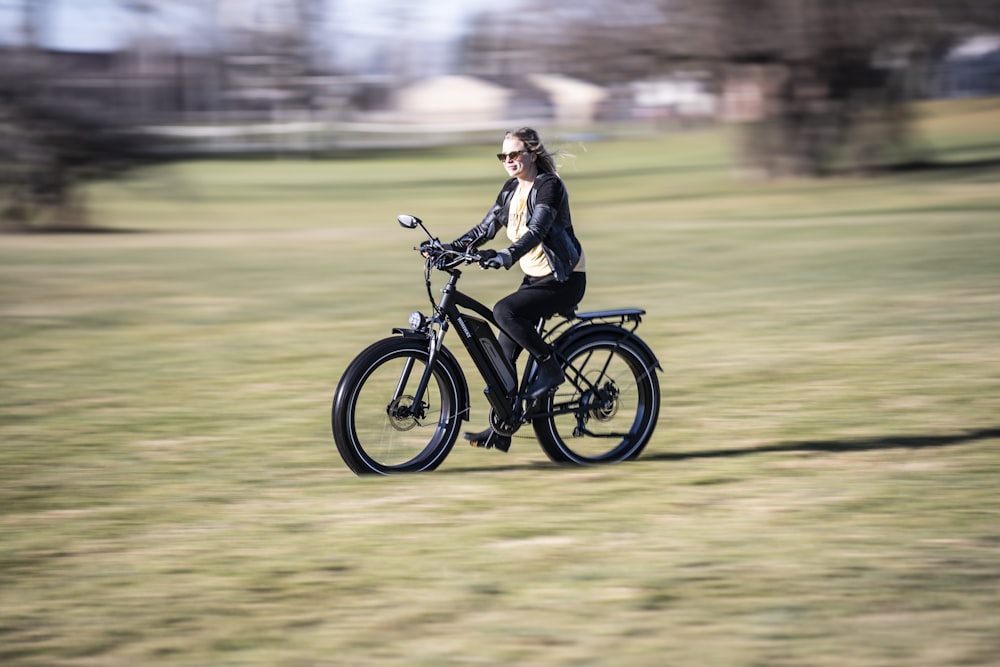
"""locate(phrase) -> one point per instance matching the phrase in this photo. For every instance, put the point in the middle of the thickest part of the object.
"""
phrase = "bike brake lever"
(434, 243)
(442, 262)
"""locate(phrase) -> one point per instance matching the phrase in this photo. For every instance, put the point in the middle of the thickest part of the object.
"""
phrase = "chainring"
(500, 426)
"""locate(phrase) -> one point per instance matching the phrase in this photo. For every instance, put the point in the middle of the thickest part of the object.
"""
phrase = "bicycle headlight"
(417, 320)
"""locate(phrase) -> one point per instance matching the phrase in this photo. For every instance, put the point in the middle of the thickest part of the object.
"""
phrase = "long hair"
(545, 160)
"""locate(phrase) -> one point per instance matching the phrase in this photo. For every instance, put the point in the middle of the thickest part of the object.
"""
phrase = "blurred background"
(801, 193)
(94, 89)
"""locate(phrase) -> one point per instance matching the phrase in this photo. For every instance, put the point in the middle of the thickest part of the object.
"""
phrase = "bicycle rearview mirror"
(408, 221)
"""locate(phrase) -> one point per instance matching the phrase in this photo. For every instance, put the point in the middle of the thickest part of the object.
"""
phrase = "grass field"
(821, 489)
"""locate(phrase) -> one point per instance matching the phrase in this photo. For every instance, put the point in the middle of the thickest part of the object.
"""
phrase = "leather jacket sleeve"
(491, 223)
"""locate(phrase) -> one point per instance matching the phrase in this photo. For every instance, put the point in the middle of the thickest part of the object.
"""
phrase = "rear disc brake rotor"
(605, 402)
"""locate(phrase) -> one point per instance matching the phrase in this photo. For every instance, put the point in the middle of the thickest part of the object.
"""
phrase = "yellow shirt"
(535, 263)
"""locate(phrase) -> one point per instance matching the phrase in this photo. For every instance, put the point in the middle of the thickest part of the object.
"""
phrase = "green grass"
(820, 490)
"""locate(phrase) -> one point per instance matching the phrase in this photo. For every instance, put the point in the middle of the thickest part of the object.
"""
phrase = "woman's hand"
(495, 259)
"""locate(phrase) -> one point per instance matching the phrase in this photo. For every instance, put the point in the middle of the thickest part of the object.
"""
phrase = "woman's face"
(520, 166)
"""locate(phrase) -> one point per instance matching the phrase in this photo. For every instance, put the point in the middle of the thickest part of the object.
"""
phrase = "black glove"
(493, 259)
(432, 248)
(454, 246)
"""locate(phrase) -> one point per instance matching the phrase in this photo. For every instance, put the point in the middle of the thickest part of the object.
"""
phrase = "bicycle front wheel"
(378, 425)
(607, 408)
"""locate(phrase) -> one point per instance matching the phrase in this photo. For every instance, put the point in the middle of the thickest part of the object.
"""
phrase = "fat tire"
(625, 424)
(368, 438)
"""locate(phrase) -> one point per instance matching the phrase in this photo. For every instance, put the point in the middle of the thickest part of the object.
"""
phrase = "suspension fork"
(404, 377)
(433, 346)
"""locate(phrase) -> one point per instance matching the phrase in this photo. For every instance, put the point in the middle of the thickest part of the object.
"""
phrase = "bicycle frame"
(481, 343)
(502, 389)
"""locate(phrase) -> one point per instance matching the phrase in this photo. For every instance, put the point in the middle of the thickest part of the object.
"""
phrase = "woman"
(533, 205)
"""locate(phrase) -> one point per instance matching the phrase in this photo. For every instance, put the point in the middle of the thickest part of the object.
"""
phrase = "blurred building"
(452, 99)
(972, 69)
(262, 89)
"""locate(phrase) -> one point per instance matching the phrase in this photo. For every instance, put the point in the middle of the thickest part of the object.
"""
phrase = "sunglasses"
(503, 157)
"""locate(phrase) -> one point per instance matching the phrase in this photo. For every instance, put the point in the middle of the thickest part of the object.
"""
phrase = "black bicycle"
(400, 404)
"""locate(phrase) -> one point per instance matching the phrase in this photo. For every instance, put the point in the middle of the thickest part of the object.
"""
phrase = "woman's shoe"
(548, 377)
(488, 439)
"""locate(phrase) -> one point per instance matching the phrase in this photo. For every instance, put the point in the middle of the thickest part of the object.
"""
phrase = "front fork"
(417, 406)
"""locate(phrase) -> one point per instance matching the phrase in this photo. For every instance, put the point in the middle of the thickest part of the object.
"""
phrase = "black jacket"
(549, 223)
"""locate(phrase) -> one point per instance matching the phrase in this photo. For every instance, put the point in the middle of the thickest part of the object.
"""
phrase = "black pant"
(518, 314)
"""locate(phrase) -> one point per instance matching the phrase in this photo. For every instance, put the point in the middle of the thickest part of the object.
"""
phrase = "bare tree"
(833, 78)
(53, 139)
(57, 132)
(839, 75)
(49, 147)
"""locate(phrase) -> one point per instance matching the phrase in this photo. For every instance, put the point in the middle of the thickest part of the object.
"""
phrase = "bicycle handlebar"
(444, 259)
(441, 258)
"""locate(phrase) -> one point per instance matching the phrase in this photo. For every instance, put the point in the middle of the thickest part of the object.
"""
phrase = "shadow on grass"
(828, 446)
(938, 166)
(57, 229)
(493, 464)
(960, 168)
(838, 446)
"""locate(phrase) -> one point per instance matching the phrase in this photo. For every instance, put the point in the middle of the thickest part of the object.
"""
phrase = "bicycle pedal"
(494, 441)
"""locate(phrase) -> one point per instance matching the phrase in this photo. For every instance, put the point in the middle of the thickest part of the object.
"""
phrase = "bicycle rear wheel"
(606, 410)
(377, 425)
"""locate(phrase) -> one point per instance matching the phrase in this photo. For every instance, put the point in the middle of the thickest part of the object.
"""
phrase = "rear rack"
(622, 315)
(627, 318)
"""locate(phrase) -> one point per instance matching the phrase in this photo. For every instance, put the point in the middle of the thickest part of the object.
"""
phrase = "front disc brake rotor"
(400, 413)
